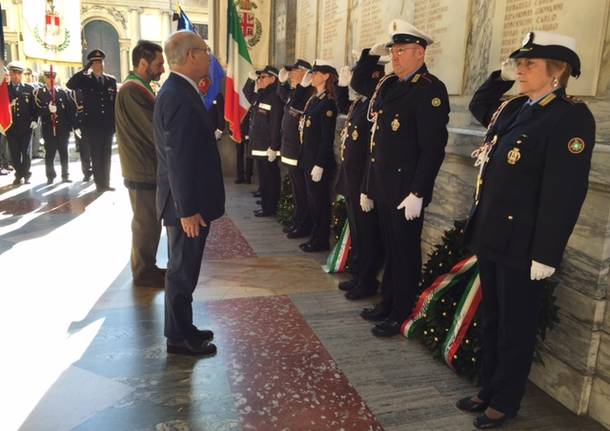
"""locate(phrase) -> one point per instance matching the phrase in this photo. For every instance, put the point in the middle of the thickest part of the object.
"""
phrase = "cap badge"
(355, 135)
(329, 113)
(436, 102)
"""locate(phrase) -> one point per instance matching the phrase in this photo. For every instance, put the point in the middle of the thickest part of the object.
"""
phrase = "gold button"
(373, 160)
(377, 127)
(510, 217)
(381, 111)
(399, 169)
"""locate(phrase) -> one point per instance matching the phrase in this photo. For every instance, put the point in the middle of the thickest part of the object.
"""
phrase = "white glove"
(252, 75)
(218, 134)
(271, 155)
(365, 203)
(316, 174)
(379, 49)
(508, 70)
(540, 271)
(52, 108)
(345, 76)
(78, 133)
(33, 125)
(412, 205)
(306, 81)
(283, 75)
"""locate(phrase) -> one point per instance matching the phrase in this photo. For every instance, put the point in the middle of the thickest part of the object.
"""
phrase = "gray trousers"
(145, 233)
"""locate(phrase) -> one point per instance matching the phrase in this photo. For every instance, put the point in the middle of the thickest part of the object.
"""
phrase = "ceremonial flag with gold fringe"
(6, 117)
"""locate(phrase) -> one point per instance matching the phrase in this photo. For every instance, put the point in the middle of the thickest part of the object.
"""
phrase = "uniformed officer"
(317, 127)
(294, 96)
(533, 178)
(57, 112)
(25, 119)
(410, 111)
(244, 164)
(265, 120)
(366, 253)
(84, 149)
(31, 77)
(99, 93)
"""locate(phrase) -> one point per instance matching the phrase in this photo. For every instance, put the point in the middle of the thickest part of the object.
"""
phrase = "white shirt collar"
(189, 80)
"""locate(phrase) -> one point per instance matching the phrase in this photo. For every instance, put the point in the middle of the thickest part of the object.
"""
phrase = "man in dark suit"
(190, 190)
(99, 93)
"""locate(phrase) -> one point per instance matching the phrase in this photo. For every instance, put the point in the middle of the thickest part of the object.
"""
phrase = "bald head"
(187, 53)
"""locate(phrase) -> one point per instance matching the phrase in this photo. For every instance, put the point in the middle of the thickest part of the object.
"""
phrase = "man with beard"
(134, 128)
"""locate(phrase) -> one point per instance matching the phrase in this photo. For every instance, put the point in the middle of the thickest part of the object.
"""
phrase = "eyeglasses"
(398, 51)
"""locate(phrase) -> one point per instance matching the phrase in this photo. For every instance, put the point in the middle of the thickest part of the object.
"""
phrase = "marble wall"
(576, 353)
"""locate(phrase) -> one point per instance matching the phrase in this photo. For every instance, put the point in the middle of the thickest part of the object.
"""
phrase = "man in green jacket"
(134, 132)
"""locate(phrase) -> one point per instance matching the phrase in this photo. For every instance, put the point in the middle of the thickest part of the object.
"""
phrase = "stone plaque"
(446, 21)
(586, 23)
(305, 44)
(332, 31)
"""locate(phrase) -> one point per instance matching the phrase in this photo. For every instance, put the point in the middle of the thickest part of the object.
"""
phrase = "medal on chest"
(395, 124)
(513, 156)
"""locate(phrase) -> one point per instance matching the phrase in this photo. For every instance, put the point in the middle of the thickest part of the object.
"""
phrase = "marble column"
(125, 48)
(165, 24)
(134, 25)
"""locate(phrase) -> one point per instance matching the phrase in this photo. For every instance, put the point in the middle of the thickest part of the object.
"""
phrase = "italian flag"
(238, 67)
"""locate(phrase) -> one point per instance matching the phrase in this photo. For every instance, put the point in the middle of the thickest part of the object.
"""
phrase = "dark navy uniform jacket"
(294, 100)
(98, 100)
(408, 141)
(318, 133)
(65, 116)
(23, 108)
(265, 118)
(536, 179)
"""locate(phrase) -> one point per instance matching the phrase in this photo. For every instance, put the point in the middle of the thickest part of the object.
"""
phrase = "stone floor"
(83, 348)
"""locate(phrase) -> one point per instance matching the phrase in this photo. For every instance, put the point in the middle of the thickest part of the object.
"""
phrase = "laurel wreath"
(257, 36)
(61, 47)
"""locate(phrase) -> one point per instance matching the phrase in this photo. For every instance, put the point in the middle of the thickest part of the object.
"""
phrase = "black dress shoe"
(259, 202)
(377, 313)
(387, 328)
(17, 181)
(191, 347)
(312, 247)
(298, 233)
(66, 180)
(86, 178)
(288, 228)
(256, 194)
(484, 422)
(347, 285)
(239, 181)
(467, 405)
(261, 213)
(203, 334)
(49, 180)
(248, 181)
(360, 292)
(109, 189)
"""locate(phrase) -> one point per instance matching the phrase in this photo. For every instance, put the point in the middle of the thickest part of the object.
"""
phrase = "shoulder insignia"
(427, 77)
(329, 113)
(576, 145)
(572, 100)
(547, 99)
(415, 78)
(436, 102)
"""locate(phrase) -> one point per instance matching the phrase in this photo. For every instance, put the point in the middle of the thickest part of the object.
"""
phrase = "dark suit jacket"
(189, 176)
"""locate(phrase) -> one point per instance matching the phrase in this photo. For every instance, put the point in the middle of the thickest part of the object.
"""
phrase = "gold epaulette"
(572, 99)
(426, 76)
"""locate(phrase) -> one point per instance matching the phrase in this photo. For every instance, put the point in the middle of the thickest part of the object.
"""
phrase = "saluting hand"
(345, 76)
(412, 205)
(306, 81)
(379, 49)
(283, 75)
(191, 225)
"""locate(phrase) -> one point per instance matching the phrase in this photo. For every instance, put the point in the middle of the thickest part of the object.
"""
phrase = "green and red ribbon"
(464, 314)
(337, 259)
(432, 294)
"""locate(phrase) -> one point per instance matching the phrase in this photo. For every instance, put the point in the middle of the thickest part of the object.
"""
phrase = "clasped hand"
(192, 225)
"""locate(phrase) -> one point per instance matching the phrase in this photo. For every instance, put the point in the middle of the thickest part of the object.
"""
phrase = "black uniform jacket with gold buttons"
(266, 109)
(65, 118)
(355, 138)
(294, 100)
(537, 176)
(318, 133)
(409, 137)
(98, 100)
(23, 108)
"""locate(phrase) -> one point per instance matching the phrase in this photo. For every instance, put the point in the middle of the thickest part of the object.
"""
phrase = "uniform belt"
(289, 161)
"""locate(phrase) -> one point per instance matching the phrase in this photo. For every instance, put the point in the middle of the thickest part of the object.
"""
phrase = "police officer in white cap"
(25, 119)
(410, 111)
(533, 178)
